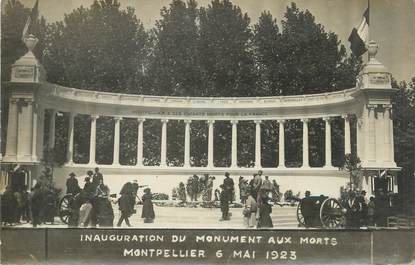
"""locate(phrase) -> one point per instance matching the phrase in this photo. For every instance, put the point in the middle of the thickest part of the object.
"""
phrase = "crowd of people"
(38, 206)
(92, 205)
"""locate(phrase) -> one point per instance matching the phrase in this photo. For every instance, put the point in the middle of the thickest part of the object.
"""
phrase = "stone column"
(12, 130)
(281, 144)
(140, 142)
(347, 144)
(257, 143)
(387, 133)
(234, 157)
(305, 143)
(40, 132)
(69, 152)
(52, 122)
(116, 158)
(163, 155)
(328, 141)
(372, 134)
(93, 140)
(210, 143)
(34, 129)
(187, 143)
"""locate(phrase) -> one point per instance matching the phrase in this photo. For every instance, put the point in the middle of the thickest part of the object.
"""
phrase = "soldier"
(229, 186)
(224, 203)
(209, 188)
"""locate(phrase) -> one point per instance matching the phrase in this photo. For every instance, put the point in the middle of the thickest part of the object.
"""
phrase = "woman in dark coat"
(103, 205)
(264, 220)
(126, 203)
(148, 210)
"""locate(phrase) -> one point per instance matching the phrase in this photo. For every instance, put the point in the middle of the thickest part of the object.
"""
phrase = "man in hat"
(224, 203)
(72, 185)
(229, 186)
(97, 177)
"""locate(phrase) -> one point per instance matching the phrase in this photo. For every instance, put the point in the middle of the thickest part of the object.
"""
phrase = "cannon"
(320, 211)
(65, 207)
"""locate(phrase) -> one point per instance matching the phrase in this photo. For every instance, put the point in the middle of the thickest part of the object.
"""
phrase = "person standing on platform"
(72, 185)
(209, 188)
(353, 209)
(36, 201)
(250, 210)
(97, 177)
(382, 209)
(229, 186)
(363, 213)
(266, 186)
(264, 214)
(105, 213)
(371, 212)
(26, 208)
(224, 203)
(126, 204)
(148, 209)
(256, 184)
(243, 186)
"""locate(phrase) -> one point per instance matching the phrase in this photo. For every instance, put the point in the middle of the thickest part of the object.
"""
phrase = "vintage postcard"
(207, 132)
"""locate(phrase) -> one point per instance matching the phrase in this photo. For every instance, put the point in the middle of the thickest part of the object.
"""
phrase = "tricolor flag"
(359, 37)
(33, 15)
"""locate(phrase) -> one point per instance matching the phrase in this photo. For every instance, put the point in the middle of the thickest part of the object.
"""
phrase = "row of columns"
(234, 151)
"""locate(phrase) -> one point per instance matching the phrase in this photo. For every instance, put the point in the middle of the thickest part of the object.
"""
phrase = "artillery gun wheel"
(65, 210)
(331, 213)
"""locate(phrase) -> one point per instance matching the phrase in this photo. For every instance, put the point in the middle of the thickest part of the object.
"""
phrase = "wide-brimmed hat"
(147, 190)
(72, 174)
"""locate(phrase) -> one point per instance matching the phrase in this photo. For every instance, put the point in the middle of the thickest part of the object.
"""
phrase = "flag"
(33, 15)
(359, 37)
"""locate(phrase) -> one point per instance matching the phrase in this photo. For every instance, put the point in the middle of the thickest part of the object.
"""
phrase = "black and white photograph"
(207, 132)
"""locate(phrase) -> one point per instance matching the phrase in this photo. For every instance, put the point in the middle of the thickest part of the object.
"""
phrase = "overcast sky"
(392, 22)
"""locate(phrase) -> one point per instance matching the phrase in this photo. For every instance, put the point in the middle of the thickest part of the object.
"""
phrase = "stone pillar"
(116, 158)
(387, 133)
(234, 156)
(93, 140)
(305, 143)
(69, 152)
(187, 143)
(25, 130)
(347, 140)
(281, 144)
(257, 143)
(12, 131)
(52, 122)
(163, 155)
(328, 141)
(210, 143)
(34, 130)
(140, 142)
(40, 132)
(372, 134)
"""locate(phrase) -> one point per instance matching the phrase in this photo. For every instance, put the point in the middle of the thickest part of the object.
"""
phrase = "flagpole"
(368, 30)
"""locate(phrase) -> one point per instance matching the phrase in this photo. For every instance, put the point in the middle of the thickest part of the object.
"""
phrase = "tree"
(97, 48)
(103, 48)
(353, 166)
(312, 60)
(226, 55)
(266, 42)
(175, 67)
